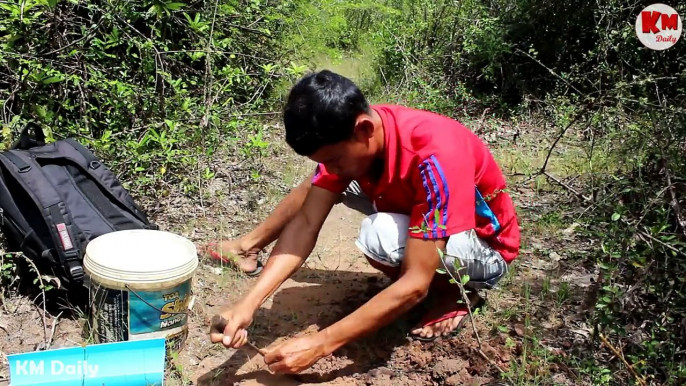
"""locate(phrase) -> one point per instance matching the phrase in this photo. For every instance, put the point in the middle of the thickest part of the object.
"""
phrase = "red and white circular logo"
(658, 26)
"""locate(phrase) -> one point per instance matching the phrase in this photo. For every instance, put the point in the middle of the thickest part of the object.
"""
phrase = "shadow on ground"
(314, 300)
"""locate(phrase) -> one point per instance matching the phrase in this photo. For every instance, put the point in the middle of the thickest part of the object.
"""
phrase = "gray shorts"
(383, 237)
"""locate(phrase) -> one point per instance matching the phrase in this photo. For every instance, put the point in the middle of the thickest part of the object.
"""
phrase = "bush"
(151, 86)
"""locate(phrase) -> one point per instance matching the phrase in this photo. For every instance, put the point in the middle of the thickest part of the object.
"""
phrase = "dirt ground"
(329, 286)
(334, 281)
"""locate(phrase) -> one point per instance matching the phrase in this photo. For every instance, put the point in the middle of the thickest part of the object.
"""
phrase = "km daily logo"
(56, 367)
(658, 26)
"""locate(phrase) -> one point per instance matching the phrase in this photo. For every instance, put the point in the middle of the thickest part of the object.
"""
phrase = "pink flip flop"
(461, 311)
(211, 251)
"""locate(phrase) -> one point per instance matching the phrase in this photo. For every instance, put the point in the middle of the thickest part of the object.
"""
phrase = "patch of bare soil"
(25, 327)
(333, 283)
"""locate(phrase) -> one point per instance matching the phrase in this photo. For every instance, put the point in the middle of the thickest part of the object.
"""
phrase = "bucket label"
(145, 308)
(110, 309)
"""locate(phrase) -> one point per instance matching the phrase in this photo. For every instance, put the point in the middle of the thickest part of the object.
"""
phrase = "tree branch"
(559, 137)
(619, 355)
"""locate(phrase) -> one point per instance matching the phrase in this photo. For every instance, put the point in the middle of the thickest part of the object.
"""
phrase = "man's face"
(349, 159)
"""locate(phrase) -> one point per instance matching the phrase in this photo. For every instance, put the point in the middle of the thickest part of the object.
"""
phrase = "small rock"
(480, 381)
(454, 380)
(570, 230)
(381, 372)
(422, 359)
(448, 367)
(463, 378)
(216, 270)
(519, 329)
(561, 379)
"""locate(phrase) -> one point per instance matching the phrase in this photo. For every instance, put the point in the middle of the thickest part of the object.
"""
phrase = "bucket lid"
(140, 256)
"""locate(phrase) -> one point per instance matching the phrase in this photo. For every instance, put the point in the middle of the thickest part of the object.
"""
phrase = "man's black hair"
(321, 110)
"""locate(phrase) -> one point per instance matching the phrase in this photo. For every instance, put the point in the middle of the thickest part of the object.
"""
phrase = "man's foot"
(234, 253)
(445, 318)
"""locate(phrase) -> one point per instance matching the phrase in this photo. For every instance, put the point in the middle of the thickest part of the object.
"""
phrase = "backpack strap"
(92, 161)
(22, 167)
(9, 210)
(104, 178)
(60, 224)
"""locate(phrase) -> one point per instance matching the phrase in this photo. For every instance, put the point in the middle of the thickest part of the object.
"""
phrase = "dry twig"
(42, 289)
(54, 328)
(616, 352)
(465, 298)
(559, 182)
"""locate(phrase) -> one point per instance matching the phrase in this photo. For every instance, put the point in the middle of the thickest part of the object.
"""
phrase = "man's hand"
(296, 355)
(232, 331)
(294, 246)
(416, 272)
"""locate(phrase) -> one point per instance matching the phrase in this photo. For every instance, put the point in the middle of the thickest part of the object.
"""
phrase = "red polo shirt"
(441, 175)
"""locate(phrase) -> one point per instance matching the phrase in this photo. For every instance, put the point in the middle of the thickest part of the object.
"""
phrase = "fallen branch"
(559, 182)
(616, 352)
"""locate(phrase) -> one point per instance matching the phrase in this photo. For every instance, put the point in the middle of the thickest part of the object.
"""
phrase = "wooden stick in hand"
(219, 324)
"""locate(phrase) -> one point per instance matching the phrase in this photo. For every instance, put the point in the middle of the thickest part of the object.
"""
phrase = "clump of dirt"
(447, 367)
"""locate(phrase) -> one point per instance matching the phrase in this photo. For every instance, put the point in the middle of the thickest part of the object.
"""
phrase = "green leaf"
(465, 279)
(452, 281)
(40, 111)
(503, 329)
(441, 271)
(616, 216)
(440, 253)
(174, 6)
(53, 79)
(456, 264)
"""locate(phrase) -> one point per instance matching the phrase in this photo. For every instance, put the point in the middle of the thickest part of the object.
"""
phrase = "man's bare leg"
(244, 250)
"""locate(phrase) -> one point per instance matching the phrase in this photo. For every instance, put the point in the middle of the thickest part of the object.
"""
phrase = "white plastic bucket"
(140, 286)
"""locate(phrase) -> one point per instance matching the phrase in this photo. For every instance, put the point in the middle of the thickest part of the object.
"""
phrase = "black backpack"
(55, 198)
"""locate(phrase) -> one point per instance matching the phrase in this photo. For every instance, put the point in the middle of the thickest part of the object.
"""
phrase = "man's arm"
(417, 271)
(294, 245)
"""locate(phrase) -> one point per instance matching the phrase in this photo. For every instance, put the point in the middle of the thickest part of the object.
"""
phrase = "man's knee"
(383, 237)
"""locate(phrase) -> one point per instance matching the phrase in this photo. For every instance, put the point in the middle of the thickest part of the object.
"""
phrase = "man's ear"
(364, 127)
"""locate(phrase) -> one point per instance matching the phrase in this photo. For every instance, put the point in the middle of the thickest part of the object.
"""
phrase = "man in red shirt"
(426, 183)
